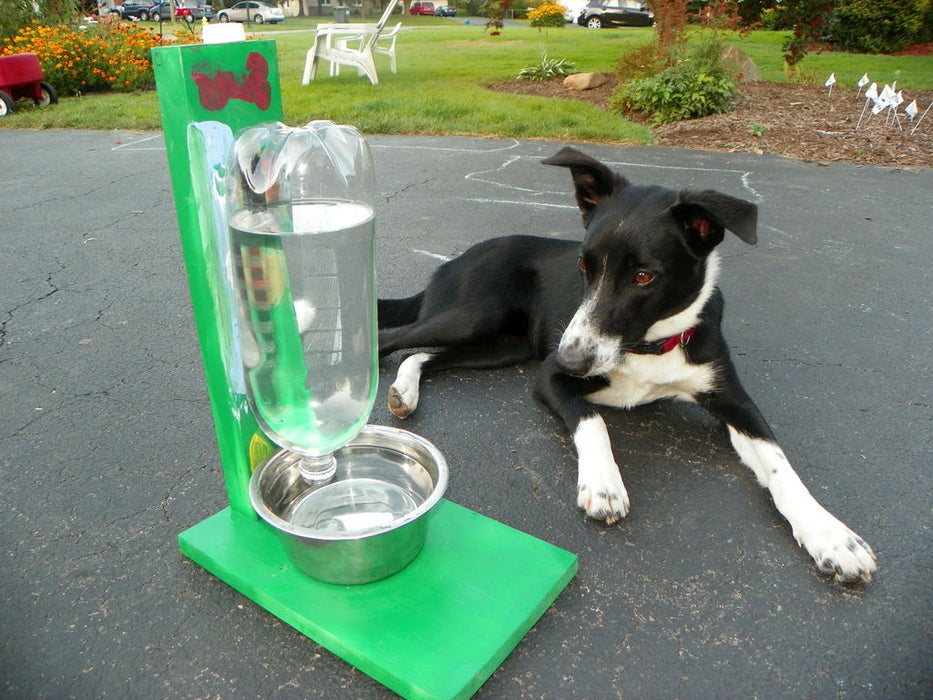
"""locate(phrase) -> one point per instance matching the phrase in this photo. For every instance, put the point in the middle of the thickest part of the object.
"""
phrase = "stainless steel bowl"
(370, 521)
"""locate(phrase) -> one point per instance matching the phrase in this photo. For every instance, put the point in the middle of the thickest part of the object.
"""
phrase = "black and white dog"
(644, 324)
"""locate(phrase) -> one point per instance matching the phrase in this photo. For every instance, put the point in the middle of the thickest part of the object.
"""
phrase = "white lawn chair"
(352, 45)
(385, 45)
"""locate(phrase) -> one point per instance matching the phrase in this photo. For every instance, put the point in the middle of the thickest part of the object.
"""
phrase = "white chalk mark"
(134, 145)
(436, 256)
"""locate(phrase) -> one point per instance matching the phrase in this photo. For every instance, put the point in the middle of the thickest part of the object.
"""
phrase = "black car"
(133, 10)
(615, 13)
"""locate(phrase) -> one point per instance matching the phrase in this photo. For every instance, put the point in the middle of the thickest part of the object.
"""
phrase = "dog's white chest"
(641, 379)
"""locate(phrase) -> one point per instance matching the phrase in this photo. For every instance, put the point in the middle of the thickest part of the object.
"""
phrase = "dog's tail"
(399, 312)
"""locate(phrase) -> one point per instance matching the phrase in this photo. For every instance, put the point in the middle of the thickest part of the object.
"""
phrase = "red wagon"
(21, 78)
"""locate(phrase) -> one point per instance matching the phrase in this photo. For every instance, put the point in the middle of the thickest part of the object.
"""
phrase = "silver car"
(251, 10)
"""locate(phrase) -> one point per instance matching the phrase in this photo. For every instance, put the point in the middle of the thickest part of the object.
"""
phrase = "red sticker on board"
(215, 91)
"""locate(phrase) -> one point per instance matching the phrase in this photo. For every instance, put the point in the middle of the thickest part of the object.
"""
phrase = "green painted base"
(437, 629)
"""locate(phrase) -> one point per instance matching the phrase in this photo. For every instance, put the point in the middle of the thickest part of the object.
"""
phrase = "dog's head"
(645, 261)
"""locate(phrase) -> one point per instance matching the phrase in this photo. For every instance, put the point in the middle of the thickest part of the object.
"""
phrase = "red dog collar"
(659, 347)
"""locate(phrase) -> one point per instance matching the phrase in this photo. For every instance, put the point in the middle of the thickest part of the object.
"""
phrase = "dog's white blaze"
(689, 317)
(600, 491)
(582, 336)
(640, 379)
(832, 545)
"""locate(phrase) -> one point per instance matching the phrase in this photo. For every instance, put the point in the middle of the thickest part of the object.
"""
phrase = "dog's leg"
(497, 352)
(600, 491)
(834, 547)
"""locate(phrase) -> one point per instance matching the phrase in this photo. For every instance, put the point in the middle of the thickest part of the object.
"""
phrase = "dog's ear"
(705, 216)
(592, 180)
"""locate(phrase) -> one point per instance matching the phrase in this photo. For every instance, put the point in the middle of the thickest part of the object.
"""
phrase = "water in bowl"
(351, 507)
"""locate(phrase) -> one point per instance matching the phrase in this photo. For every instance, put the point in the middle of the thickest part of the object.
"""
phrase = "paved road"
(107, 449)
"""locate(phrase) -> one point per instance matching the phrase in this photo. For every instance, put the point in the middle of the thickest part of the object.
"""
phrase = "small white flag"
(897, 100)
(911, 110)
(883, 101)
(830, 81)
(872, 92)
(863, 81)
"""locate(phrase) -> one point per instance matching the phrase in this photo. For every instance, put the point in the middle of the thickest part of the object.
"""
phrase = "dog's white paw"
(402, 401)
(403, 394)
(604, 499)
(600, 491)
(837, 550)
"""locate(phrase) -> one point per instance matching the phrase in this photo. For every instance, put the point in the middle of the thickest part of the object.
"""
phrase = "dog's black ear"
(705, 216)
(592, 180)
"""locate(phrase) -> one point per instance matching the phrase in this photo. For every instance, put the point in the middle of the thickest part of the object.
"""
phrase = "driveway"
(107, 449)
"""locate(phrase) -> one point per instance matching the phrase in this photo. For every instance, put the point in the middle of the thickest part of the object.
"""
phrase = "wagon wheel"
(6, 104)
(47, 95)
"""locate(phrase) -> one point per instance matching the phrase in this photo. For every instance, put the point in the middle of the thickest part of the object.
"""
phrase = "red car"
(422, 8)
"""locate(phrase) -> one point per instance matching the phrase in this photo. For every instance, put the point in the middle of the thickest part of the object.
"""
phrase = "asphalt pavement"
(107, 449)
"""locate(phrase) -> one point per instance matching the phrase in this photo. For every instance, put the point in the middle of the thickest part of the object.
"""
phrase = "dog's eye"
(581, 263)
(642, 277)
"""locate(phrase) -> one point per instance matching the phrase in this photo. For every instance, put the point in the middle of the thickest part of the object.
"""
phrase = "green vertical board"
(235, 84)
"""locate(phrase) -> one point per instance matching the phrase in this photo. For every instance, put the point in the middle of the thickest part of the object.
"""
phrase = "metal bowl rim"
(391, 436)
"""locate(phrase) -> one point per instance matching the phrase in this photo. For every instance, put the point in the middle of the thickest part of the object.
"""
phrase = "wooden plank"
(438, 629)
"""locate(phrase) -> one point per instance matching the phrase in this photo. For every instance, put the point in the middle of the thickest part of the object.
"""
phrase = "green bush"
(698, 86)
(870, 26)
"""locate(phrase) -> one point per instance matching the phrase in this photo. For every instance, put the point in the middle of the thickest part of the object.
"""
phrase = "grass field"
(443, 68)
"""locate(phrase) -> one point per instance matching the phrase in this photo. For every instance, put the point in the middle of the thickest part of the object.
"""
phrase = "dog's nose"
(574, 364)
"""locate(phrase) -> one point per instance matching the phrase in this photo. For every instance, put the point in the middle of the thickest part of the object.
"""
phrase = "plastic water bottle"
(303, 242)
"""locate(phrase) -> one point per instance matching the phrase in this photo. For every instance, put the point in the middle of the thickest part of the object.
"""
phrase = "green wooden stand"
(442, 626)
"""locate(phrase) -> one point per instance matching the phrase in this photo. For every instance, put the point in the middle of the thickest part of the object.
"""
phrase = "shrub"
(691, 88)
(869, 26)
(548, 68)
(640, 61)
(106, 56)
(547, 15)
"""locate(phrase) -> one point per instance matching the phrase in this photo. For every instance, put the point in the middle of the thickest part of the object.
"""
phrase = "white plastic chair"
(353, 45)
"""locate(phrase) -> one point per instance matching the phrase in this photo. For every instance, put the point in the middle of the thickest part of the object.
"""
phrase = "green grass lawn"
(444, 67)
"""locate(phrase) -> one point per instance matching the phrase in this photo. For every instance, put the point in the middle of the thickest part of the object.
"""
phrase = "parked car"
(132, 10)
(444, 11)
(422, 8)
(615, 13)
(200, 12)
(251, 10)
(188, 13)
(161, 11)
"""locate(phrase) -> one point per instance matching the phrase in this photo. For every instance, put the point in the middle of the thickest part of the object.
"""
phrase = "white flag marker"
(871, 95)
(921, 119)
(911, 110)
(830, 81)
(862, 82)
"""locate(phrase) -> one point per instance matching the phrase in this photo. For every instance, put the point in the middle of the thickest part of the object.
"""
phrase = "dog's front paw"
(837, 550)
(600, 491)
(603, 496)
